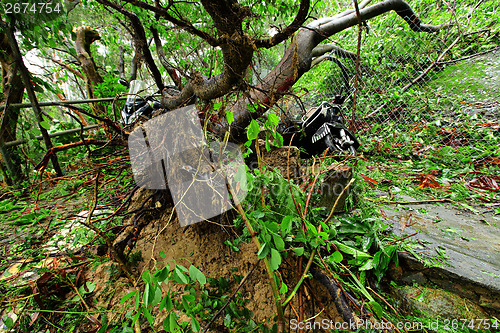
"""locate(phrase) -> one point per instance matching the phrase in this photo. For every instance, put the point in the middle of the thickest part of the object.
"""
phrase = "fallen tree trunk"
(298, 57)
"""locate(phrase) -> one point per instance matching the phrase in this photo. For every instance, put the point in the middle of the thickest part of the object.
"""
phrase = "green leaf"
(227, 320)
(273, 120)
(148, 316)
(263, 251)
(170, 323)
(146, 277)
(352, 251)
(136, 316)
(179, 276)
(104, 326)
(376, 308)
(278, 139)
(298, 251)
(128, 296)
(137, 301)
(197, 275)
(169, 305)
(279, 243)
(45, 124)
(157, 296)
(267, 144)
(230, 117)
(286, 224)
(283, 288)
(275, 261)
(337, 257)
(90, 286)
(163, 302)
(162, 274)
(367, 265)
(145, 296)
(195, 325)
(253, 130)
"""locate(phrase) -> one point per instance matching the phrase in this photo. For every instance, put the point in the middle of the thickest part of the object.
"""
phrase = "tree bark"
(85, 36)
(12, 93)
(25, 76)
(298, 56)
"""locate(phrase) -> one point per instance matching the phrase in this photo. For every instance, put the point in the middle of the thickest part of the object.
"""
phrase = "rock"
(455, 249)
(418, 278)
(437, 303)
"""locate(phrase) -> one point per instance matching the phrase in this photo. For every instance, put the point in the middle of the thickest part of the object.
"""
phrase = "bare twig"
(416, 202)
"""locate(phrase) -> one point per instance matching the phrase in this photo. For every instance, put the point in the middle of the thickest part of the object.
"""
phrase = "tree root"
(338, 296)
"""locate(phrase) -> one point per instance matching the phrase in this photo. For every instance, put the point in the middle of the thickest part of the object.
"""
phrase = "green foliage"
(39, 22)
(110, 88)
(201, 299)
(353, 243)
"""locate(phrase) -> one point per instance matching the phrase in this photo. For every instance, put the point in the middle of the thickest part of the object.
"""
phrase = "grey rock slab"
(468, 242)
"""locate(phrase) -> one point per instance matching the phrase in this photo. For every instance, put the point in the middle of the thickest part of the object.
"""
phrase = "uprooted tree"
(225, 31)
(208, 49)
(226, 28)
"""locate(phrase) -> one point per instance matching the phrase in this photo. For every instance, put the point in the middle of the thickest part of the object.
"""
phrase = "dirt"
(202, 245)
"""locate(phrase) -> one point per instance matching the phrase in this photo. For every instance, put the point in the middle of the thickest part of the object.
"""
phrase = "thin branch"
(162, 12)
(163, 59)
(110, 123)
(140, 36)
(231, 297)
(72, 70)
(300, 18)
(358, 72)
(52, 151)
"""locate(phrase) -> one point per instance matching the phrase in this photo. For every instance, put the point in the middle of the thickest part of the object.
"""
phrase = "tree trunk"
(12, 93)
(298, 57)
(85, 36)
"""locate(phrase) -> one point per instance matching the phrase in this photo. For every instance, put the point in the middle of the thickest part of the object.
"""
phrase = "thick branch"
(140, 36)
(85, 36)
(329, 26)
(300, 18)
(163, 59)
(297, 59)
(331, 47)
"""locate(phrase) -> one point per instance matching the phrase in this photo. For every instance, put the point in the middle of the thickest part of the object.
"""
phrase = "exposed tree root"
(336, 292)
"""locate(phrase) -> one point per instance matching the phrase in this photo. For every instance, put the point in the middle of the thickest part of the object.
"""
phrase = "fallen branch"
(400, 239)
(45, 160)
(88, 223)
(336, 293)
(108, 122)
(272, 281)
(416, 202)
(467, 57)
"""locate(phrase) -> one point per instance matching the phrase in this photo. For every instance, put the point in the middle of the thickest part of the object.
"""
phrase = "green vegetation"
(438, 140)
